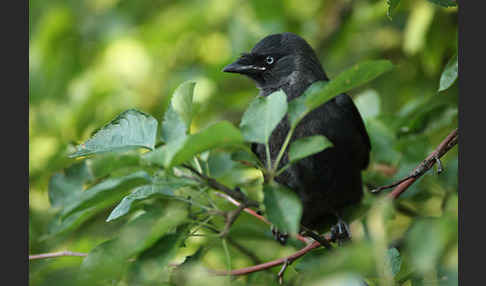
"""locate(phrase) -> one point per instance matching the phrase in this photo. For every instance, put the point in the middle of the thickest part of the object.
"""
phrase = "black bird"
(327, 182)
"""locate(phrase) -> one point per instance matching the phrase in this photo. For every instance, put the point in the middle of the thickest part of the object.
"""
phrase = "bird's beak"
(238, 67)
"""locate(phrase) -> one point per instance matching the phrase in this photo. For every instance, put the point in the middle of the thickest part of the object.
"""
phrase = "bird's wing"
(349, 109)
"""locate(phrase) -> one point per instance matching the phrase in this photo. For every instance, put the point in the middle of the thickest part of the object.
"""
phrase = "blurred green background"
(92, 59)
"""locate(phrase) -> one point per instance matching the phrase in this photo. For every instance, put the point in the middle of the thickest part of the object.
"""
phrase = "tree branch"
(263, 266)
(449, 142)
(234, 196)
(56, 254)
(434, 157)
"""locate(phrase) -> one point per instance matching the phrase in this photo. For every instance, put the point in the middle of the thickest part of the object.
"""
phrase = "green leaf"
(449, 75)
(65, 187)
(106, 193)
(427, 240)
(107, 164)
(221, 164)
(349, 79)
(307, 146)
(60, 226)
(145, 230)
(283, 207)
(138, 194)
(246, 157)
(182, 101)
(354, 258)
(103, 265)
(151, 266)
(444, 3)
(108, 260)
(262, 116)
(173, 127)
(220, 134)
(177, 119)
(298, 107)
(131, 129)
(392, 5)
(368, 104)
(394, 260)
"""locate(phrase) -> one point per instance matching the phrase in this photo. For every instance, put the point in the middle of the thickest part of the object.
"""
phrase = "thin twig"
(56, 254)
(434, 158)
(235, 194)
(247, 210)
(282, 271)
(230, 219)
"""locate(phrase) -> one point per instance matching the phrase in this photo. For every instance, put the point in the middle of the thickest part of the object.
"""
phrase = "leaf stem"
(282, 149)
(227, 254)
(282, 169)
(269, 159)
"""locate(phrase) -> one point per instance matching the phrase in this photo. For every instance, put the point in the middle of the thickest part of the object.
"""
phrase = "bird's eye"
(269, 60)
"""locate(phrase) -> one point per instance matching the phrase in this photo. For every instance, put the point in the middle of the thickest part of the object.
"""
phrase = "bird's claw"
(281, 237)
(340, 232)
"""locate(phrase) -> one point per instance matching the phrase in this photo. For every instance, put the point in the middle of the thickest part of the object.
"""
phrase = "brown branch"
(253, 213)
(235, 194)
(449, 142)
(434, 157)
(56, 254)
(263, 266)
(247, 210)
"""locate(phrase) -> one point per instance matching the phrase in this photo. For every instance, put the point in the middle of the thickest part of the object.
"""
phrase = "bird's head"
(280, 61)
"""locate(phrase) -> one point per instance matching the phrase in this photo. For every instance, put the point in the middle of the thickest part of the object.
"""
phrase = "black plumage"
(329, 181)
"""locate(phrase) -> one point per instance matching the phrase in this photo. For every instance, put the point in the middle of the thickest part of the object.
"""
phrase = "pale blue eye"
(269, 60)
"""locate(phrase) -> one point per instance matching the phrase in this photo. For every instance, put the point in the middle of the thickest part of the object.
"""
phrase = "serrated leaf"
(262, 116)
(283, 207)
(444, 3)
(106, 192)
(449, 75)
(358, 75)
(392, 5)
(131, 129)
(220, 134)
(138, 194)
(307, 146)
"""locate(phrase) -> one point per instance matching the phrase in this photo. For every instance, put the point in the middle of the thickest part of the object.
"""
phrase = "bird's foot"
(281, 237)
(340, 232)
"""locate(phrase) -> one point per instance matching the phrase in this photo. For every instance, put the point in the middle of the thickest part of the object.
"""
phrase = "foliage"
(127, 196)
